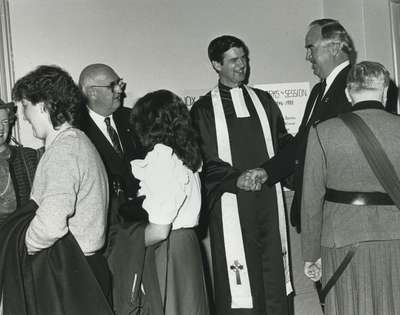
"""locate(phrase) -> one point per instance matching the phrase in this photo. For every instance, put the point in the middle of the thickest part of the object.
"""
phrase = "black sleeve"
(217, 175)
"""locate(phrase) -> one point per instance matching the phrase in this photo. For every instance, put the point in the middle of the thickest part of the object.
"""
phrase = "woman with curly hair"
(170, 182)
(70, 190)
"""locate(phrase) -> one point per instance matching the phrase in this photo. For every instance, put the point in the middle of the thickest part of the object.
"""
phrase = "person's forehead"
(3, 113)
(234, 52)
(313, 35)
(105, 76)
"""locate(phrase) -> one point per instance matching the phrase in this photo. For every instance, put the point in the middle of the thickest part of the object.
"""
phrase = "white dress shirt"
(332, 76)
(100, 123)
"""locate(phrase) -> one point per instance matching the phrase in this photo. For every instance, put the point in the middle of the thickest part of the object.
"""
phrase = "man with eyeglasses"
(106, 123)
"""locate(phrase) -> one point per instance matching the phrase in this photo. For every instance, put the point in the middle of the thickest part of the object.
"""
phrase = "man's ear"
(42, 107)
(216, 65)
(384, 95)
(335, 48)
(349, 98)
(90, 92)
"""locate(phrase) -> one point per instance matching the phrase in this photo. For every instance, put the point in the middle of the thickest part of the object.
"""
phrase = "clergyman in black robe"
(257, 204)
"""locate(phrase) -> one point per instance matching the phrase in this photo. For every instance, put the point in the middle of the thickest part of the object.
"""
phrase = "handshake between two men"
(252, 180)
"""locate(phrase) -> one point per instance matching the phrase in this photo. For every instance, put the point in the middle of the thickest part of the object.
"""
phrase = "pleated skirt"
(370, 285)
(181, 276)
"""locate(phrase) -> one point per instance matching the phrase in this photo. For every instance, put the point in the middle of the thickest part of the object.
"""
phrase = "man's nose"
(308, 55)
(241, 62)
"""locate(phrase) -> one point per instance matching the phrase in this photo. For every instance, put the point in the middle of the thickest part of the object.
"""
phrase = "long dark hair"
(162, 117)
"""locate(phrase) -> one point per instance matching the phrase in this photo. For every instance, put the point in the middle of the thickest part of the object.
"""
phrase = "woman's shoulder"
(71, 142)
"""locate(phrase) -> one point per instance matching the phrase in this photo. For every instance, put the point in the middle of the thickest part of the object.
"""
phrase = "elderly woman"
(70, 186)
(171, 186)
(8, 202)
(17, 168)
(17, 165)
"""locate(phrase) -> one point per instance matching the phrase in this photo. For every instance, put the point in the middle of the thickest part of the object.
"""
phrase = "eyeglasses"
(115, 86)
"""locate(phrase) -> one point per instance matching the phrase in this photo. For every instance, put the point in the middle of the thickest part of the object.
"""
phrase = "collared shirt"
(51, 137)
(99, 121)
(329, 80)
(334, 73)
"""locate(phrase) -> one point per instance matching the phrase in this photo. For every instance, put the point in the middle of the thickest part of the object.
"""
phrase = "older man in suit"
(330, 51)
(106, 123)
(344, 203)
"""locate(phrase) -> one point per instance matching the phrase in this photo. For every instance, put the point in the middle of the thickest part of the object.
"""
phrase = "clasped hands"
(252, 180)
(313, 270)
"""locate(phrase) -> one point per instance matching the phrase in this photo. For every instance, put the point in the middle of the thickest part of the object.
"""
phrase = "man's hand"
(313, 270)
(252, 180)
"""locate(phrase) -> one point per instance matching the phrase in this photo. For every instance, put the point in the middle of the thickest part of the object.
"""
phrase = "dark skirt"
(371, 282)
(181, 276)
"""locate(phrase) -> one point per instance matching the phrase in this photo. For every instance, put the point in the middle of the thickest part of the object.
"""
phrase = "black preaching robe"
(258, 211)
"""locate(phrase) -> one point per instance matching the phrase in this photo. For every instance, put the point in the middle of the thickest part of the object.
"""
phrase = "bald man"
(106, 123)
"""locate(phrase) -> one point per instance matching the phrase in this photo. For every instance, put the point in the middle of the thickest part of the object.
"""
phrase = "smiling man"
(239, 128)
(106, 123)
(331, 52)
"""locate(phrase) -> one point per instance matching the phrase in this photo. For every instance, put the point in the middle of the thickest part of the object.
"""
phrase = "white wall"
(368, 22)
(156, 44)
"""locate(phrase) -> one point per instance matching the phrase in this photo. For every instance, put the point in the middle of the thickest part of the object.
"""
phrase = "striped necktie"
(114, 136)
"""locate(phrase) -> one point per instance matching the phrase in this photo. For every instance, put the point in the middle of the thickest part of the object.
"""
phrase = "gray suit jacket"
(334, 160)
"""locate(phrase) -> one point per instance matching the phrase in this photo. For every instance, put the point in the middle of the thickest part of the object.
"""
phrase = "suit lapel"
(327, 106)
(100, 141)
(309, 106)
(125, 133)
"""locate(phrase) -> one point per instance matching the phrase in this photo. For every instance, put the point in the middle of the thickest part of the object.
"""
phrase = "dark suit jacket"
(291, 158)
(121, 180)
(57, 280)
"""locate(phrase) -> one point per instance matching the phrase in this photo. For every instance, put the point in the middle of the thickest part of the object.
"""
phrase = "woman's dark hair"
(162, 117)
(56, 89)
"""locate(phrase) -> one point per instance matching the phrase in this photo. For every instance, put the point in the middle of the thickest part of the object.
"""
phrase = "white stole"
(234, 249)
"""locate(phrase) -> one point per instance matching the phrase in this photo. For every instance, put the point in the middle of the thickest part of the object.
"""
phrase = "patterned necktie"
(114, 136)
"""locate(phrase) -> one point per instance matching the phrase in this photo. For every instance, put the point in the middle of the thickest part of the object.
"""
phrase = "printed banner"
(291, 98)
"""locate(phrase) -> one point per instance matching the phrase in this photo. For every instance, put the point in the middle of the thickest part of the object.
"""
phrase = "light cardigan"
(172, 190)
(71, 190)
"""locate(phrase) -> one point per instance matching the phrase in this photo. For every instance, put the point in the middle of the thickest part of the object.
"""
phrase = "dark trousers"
(99, 266)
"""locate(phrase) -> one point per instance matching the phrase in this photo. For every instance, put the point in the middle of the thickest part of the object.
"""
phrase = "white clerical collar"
(334, 73)
(239, 103)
